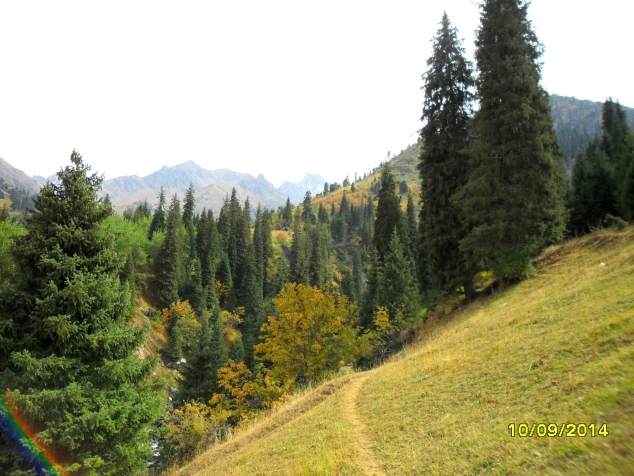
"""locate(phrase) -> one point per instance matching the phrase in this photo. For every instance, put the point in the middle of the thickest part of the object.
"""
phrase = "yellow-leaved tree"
(313, 336)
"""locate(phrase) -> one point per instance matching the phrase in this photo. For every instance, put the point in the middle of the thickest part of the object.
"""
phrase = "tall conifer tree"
(158, 220)
(396, 288)
(513, 200)
(68, 360)
(443, 162)
(169, 261)
(593, 189)
(389, 216)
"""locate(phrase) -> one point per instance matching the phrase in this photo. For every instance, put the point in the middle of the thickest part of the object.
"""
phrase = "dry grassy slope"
(556, 348)
(404, 167)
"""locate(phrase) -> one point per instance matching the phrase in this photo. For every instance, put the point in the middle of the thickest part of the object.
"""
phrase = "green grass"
(557, 348)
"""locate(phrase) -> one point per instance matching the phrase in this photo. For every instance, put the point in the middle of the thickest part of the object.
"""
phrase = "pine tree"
(412, 230)
(316, 265)
(307, 209)
(357, 275)
(188, 222)
(396, 288)
(299, 258)
(254, 309)
(281, 276)
(188, 206)
(513, 200)
(169, 260)
(369, 303)
(258, 247)
(158, 220)
(388, 214)
(267, 248)
(443, 165)
(200, 373)
(617, 142)
(627, 196)
(228, 300)
(192, 290)
(322, 214)
(68, 354)
(593, 189)
(287, 213)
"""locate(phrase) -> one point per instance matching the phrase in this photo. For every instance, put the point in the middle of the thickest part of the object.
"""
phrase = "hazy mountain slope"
(296, 191)
(556, 348)
(210, 185)
(16, 178)
(578, 121)
(177, 177)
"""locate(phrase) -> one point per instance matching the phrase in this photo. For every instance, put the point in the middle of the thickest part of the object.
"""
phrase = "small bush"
(617, 222)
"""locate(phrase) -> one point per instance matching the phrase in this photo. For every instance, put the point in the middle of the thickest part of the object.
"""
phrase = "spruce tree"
(593, 193)
(200, 373)
(258, 247)
(267, 248)
(369, 304)
(299, 253)
(443, 164)
(169, 260)
(396, 288)
(253, 306)
(389, 216)
(617, 142)
(188, 206)
(627, 195)
(307, 209)
(322, 214)
(188, 222)
(412, 230)
(68, 354)
(316, 265)
(158, 220)
(287, 213)
(512, 203)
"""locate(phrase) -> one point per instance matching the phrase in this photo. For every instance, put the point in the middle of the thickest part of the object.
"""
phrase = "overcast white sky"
(279, 87)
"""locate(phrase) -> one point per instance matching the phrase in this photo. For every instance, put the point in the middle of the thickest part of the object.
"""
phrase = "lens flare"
(23, 441)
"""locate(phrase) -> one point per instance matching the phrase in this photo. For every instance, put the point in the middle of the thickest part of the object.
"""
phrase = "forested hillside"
(578, 121)
(131, 342)
(463, 398)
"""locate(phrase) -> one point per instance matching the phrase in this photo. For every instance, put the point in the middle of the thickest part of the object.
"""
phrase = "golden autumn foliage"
(312, 337)
(378, 341)
(192, 428)
(231, 321)
(241, 395)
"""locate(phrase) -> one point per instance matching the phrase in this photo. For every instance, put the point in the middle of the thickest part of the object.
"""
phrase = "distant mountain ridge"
(296, 191)
(17, 178)
(211, 187)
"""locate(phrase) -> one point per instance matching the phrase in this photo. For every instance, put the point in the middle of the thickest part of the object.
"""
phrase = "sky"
(279, 87)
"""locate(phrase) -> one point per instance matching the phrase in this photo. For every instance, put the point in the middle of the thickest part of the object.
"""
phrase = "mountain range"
(211, 186)
(576, 122)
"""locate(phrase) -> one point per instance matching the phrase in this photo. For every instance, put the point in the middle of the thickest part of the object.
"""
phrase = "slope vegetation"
(402, 165)
(557, 348)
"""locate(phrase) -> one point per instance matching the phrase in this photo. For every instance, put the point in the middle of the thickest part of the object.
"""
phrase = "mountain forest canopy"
(245, 304)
